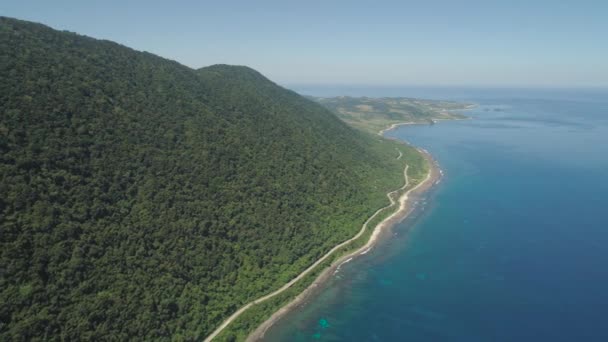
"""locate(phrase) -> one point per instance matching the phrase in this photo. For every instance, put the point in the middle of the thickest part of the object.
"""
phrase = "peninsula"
(376, 114)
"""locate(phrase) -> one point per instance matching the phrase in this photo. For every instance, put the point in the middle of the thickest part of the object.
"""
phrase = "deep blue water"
(512, 245)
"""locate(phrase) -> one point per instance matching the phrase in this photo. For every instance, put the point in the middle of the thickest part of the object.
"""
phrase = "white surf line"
(229, 320)
(403, 200)
(347, 260)
(365, 251)
(338, 268)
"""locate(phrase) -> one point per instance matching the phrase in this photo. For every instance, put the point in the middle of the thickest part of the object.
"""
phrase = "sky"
(546, 43)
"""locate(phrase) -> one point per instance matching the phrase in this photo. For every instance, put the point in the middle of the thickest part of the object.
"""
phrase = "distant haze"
(474, 43)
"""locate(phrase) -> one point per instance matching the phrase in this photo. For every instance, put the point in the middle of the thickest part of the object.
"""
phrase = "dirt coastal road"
(313, 266)
(259, 332)
(398, 215)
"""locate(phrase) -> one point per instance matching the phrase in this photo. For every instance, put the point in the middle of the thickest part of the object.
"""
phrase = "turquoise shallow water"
(510, 246)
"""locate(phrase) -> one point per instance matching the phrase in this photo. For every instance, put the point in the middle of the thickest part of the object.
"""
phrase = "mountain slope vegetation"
(142, 199)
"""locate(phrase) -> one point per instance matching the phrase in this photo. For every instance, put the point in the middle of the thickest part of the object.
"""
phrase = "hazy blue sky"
(552, 42)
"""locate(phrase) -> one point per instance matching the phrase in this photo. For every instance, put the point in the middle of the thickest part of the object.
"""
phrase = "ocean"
(511, 245)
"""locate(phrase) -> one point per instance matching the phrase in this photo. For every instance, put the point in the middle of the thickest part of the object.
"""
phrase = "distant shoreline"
(406, 123)
(399, 215)
(395, 125)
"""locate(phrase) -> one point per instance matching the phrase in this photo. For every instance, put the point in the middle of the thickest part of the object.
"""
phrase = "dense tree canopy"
(140, 198)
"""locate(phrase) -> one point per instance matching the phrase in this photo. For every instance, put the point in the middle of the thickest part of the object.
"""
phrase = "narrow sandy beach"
(397, 216)
(395, 125)
(404, 209)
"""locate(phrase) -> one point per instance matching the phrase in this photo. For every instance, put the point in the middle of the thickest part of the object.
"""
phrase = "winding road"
(229, 320)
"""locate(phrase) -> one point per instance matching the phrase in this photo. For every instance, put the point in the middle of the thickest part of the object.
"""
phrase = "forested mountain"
(142, 199)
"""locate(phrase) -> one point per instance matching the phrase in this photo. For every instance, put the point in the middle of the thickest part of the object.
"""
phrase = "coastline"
(432, 178)
(404, 209)
(395, 125)
(405, 123)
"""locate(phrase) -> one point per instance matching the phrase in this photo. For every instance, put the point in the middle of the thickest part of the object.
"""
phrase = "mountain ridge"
(144, 199)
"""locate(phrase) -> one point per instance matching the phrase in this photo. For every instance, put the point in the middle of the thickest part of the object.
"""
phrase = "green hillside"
(142, 199)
